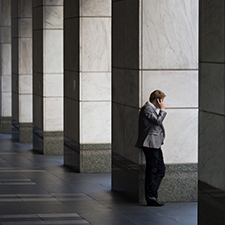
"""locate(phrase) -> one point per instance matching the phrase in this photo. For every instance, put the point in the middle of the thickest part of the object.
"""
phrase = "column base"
(178, 185)
(6, 125)
(22, 132)
(26, 132)
(87, 158)
(48, 143)
(211, 205)
(15, 131)
(128, 178)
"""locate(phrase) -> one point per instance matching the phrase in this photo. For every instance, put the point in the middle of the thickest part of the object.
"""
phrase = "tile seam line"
(214, 113)
(70, 18)
(44, 73)
(20, 17)
(41, 6)
(169, 69)
(95, 17)
(52, 96)
(211, 62)
(181, 108)
(21, 37)
(93, 71)
(146, 100)
(46, 29)
(154, 69)
(80, 101)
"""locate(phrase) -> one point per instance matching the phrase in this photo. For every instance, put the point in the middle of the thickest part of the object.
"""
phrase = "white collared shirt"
(152, 106)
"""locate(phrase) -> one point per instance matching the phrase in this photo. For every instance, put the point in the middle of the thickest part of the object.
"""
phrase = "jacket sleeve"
(155, 118)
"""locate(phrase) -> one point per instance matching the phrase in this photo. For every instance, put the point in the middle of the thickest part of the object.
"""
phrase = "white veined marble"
(5, 13)
(53, 114)
(95, 122)
(95, 44)
(25, 27)
(25, 8)
(55, 2)
(180, 87)
(95, 7)
(53, 85)
(181, 142)
(25, 84)
(53, 17)
(25, 56)
(95, 86)
(53, 46)
(6, 104)
(170, 34)
(6, 85)
(6, 58)
(26, 108)
(5, 34)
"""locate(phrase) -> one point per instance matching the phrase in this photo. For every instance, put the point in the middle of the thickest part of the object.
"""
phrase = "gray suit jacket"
(151, 132)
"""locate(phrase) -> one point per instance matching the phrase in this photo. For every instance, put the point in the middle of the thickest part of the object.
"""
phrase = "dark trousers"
(154, 172)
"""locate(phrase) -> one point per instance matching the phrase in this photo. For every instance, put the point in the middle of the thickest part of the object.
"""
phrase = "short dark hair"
(156, 94)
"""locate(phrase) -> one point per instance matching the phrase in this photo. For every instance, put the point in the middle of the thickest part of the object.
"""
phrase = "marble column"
(211, 207)
(87, 75)
(5, 67)
(155, 46)
(48, 76)
(22, 98)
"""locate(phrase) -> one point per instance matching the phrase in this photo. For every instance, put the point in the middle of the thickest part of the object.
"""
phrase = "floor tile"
(38, 189)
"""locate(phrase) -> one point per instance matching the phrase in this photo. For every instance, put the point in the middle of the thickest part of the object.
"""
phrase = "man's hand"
(161, 104)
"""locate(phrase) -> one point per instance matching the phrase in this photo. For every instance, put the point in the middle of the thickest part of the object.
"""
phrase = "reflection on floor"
(38, 189)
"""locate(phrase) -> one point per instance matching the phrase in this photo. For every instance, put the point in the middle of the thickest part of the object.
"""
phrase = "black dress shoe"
(152, 201)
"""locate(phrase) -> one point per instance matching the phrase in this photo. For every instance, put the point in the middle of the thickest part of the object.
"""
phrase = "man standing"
(150, 139)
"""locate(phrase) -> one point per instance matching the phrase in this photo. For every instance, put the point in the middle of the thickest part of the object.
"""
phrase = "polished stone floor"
(38, 189)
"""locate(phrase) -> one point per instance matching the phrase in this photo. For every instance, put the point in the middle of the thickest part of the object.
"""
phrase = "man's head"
(156, 94)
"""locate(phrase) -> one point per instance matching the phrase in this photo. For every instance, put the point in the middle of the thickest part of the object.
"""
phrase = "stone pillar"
(155, 47)
(22, 89)
(48, 76)
(211, 207)
(5, 67)
(87, 41)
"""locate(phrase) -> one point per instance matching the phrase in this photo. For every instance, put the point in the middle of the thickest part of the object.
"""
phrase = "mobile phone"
(159, 99)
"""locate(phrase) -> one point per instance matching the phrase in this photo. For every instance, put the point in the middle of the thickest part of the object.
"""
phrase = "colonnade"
(74, 75)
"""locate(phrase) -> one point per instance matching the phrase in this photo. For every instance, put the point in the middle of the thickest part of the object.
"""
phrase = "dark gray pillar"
(48, 76)
(5, 67)
(87, 76)
(211, 207)
(152, 50)
(22, 88)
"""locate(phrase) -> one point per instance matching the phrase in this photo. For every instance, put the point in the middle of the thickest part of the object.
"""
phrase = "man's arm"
(153, 117)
